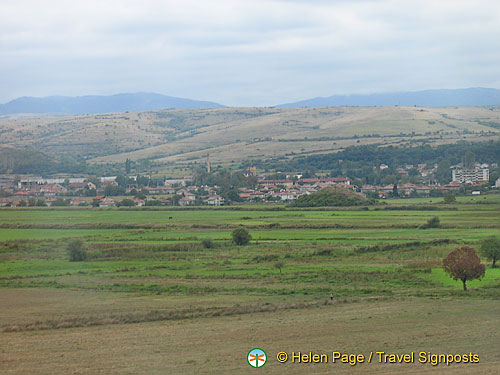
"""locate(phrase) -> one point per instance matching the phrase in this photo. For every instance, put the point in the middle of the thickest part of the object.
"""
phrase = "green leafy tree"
(464, 264)
(126, 203)
(77, 251)
(40, 203)
(443, 173)
(241, 236)
(490, 249)
(112, 190)
(449, 198)
(59, 202)
(395, 192)
(128, 166)
(469, 159)
(279, 265)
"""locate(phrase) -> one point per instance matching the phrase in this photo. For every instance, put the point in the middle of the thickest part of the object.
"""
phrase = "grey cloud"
(246, 52)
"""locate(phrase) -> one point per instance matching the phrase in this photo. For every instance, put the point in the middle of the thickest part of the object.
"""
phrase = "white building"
(215, 200)
(478, 173)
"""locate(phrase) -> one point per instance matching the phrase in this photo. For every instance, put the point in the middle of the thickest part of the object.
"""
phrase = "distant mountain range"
(64, 105)
(427, 98)
(91, 104)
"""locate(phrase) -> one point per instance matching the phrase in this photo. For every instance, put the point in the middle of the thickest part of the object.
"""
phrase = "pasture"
(152, 298)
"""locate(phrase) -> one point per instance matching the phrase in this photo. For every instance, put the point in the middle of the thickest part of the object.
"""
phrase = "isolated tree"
(464, 264)
(279, 265)
(76, 251)
(490, 249)
(449, 198)
(241, 236)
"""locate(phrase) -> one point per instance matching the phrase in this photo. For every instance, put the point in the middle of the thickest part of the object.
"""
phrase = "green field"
(148, 271)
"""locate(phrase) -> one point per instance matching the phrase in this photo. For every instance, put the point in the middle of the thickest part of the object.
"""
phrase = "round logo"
(256, 357)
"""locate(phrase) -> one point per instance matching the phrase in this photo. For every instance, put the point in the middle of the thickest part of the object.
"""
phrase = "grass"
(150, 284)
(198, 344)
(492, 277)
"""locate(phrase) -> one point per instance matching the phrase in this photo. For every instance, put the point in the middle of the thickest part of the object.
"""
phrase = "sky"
(246, 53)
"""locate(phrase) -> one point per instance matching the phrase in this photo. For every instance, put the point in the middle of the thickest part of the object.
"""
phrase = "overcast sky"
(245, 53)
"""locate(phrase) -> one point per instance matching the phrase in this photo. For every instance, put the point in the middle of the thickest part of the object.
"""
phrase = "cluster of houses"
(74, 191)
(423, 170)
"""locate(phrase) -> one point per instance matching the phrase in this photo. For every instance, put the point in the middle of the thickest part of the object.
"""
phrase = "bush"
(279, 265)
(432, 223)
(77, 251)
(207, 243)
(241, 236)
(126, 203)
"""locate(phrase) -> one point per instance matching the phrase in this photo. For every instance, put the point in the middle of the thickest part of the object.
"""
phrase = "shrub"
(241, 236)
(449, 198)
(207, 243)
(77, 251)
(126, 203)
(265, 258)
(432, 223)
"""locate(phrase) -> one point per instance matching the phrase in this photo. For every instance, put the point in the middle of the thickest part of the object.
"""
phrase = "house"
(453, 185)
(51, 190)
(407, 189)
(4, 202)
(368, 189)
(286, 196)
(186, 202)
(78, 186)
(326, 181)
(50, 201)
(272, 183)
(77, 201)
(215, 200)
(139, 202)
(107, 202)
(402, 171)
(423, 190)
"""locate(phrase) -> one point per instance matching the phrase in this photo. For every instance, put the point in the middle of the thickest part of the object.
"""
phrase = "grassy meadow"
(152, 298)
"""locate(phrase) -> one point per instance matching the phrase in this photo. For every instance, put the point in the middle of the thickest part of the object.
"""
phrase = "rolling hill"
(229, 135)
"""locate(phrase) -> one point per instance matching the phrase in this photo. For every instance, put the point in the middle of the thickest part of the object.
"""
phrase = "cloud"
(258, 52)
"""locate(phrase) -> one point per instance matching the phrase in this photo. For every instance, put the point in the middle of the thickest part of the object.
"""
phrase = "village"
(110, 191)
